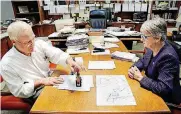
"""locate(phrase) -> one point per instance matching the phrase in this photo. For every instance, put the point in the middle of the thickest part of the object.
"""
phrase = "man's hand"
(74, 66)
(50, 81)
(135, 73)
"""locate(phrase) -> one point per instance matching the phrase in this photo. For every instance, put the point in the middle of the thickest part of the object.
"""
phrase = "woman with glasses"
(160, 63)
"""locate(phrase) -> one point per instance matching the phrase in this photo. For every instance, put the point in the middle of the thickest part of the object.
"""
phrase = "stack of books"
(124, 56)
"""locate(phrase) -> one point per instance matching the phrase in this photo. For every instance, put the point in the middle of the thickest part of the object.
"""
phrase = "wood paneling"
(6, 45)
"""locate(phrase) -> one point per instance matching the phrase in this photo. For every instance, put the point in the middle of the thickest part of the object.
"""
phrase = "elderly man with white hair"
(25, 67)
(160, 63)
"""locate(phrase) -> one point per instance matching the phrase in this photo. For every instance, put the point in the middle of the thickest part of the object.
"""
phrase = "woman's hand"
(135, 73)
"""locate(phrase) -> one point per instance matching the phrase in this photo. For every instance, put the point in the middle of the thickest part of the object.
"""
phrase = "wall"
(6, 10)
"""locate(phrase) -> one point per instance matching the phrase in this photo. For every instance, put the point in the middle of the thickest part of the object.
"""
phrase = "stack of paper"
(125, 33)
(106, 45)
(124, 56)
(101, 65)
(76, 40)
(111, 40)
(77, 44)
(70, 83)
(55, 34)
(67, 29)
(81, 31)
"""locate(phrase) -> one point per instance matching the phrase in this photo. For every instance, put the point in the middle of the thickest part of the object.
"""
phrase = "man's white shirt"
(20, 71)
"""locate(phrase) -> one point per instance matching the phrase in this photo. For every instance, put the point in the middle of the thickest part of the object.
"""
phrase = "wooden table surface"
(52, 100)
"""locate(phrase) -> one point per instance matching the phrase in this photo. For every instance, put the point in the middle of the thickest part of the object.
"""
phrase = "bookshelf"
(169, 12)
(28, 9)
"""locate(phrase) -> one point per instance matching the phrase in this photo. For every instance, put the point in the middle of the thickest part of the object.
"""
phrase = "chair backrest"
(177, 48)
(98, 19)
(98, 23)
(6, 45)
(176, 37)
(59, 24)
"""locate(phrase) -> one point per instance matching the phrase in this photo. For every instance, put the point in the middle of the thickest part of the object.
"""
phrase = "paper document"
(106, 52)
(107, 45)
(124, 56)
(111, 40)
(77, 51)
(70, 83)
(101, 65)
(177, 42)
(113, 90)
(55, 34)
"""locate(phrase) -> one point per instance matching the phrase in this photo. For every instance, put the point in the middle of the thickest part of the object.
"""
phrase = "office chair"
(176, 36)
(98, 19)
(175, 109)
(177, 48)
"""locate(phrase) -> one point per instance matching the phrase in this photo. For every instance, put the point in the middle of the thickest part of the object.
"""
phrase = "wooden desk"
(53, 100)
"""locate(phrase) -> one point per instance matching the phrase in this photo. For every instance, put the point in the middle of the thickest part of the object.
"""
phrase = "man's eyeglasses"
(27, 43)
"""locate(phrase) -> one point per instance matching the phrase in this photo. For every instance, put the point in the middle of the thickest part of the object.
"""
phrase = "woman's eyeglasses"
(144, 36)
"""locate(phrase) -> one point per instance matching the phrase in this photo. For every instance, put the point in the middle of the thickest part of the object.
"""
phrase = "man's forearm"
(38, 83)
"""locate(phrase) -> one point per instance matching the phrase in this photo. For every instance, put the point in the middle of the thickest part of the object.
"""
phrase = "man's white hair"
(156, 27)
(16, 29)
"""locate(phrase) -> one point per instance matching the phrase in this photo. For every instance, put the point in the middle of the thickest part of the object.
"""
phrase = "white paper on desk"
(101, 65)
(117, 7)
(113, 90)
(77, 51)
(107, 39)
(87, 83)
(106, 52)
(116, 33)
(55, 34)
(110, 45)
(177, 42)
(125, 55)
(106, 45)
